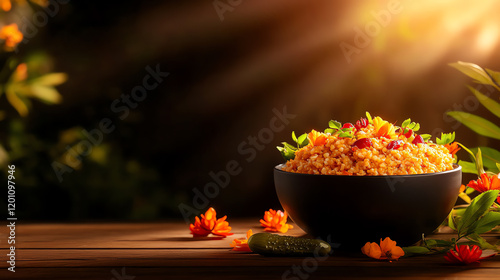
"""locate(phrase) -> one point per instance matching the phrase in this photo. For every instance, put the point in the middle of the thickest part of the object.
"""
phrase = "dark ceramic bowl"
(353, 210)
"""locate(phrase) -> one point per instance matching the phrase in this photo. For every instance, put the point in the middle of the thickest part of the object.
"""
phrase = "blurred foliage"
(106, 186)
(487, 158)
(103, 185)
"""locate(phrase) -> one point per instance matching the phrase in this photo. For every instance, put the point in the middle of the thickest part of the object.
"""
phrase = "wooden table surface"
(167, 250)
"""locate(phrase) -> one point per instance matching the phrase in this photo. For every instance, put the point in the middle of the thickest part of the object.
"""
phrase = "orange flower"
(384, 128)
(209, 224)
(316, 138)
(453, 148)
(11, 35)
(241, 244)
(5, 5)
(386, 251)
(275, 221)
(486, 183)
(464, 254)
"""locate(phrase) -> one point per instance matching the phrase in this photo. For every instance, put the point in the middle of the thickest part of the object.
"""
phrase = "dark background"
(226, 77)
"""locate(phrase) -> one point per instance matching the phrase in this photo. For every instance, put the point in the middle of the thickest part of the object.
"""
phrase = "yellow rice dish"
(372, 147)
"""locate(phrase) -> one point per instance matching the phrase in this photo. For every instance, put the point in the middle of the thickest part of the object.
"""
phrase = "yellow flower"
(384, 128)
(11, 35)
(386, 251)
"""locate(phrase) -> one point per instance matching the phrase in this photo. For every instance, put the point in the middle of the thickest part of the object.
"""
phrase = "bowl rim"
(456, 168)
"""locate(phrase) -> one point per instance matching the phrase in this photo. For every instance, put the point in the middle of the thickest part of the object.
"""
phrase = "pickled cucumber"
(268, 244)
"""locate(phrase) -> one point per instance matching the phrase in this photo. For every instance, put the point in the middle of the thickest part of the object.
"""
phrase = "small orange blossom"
(275, 221)
(5, 5)
(209, 224)
(241, 244)
(486, 183)
(453, 148)
(386, 251)
(12, 36)
(316, 138)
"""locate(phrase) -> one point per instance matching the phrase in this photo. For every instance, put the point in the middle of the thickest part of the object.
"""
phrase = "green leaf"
(369, 118)
(474, 71)
(478, 207)
(468, 167)
(487, 222)
(416, 127)
(406, 123)
(415, 250)
(446, 138)
(477, 124)
(52, 79)
(490, 104)
(498, 165)
(433, 243)
(479, 162)
(473, 155)
(469, 190)
(302, 140)
(329, 130)
(426, 137)
(491, 158)
(494, 75)
(288, 146)
(476, 238)
(294, 137)
(334, 124)
(346, 134)
(287, 154)
(451, 221)
(46, 94)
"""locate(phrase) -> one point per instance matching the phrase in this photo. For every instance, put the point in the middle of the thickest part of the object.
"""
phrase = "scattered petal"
(241, 244)
(386, 251)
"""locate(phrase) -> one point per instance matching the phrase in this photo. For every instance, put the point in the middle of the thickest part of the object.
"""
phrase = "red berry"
(409, 133)
(363, 143)
(418, 140)
(361, 123)
(347, 125)
(395, 144)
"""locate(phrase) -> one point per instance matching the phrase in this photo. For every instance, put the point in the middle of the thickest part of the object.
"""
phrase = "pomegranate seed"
(395, 144)
(361, 123)
(408, 134)
(418, 140)
(363, 143)
(347, 125)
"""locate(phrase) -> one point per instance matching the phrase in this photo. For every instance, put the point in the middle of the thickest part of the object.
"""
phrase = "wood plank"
(236, 272)
(166, 250)
(135, 235)
(210, 257)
